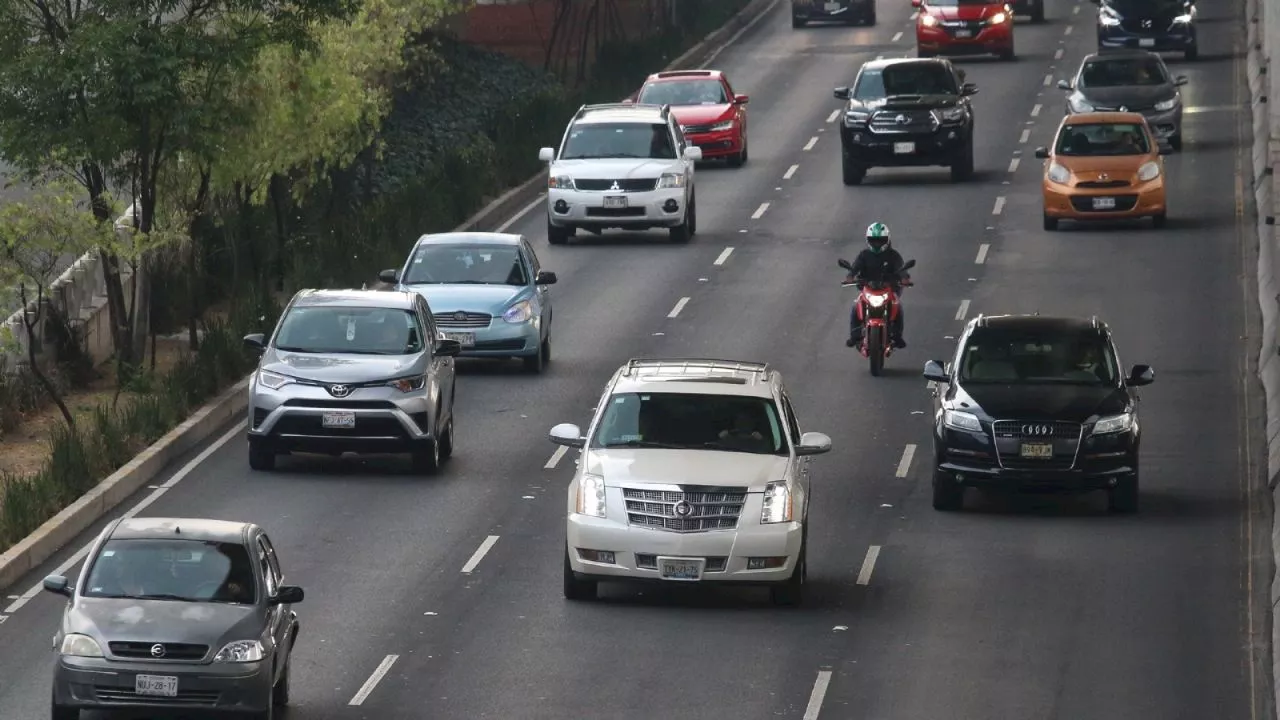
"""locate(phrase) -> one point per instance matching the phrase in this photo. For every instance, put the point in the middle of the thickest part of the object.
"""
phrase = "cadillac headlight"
(1165, 105)
(670, 180)
(591, 499)
(1108, 17)
(998, 18)
(1059, 174)
(928, 20)
(408, 384)
(1149, 171)
(1114, 424)
(273, 381)
(561, 182)
(961, 421)
(521, 312)
(876, 301)
(76, 645)
(777, 504)
(241, 651)
(722, 126)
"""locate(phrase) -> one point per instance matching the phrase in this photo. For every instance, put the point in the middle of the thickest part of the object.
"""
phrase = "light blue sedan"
(487, 291)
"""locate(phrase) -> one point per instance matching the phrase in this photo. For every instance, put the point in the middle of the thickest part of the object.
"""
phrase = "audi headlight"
(876, 301)
(1164, 105)
(1150, 170)
(273, 381)
(241, 651)
(76, 645)
(1059, 174)
(961, 421)
(950, 115)
(561, 182)
(408, 384)
(591, 499)
(928, 20)
(777, 504)
(670, 180)
(519, 313)
(998, 18)
(1114, 424)
(1108, 17)
(1079, 104)
(722, 126)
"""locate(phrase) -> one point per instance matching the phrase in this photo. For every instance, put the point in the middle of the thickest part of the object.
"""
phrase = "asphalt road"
(1014, 609)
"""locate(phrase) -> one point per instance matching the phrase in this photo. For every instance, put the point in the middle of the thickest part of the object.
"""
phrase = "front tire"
(446, 441)
(790, 592)
(575, 589)
(683, 232)
(1123, 498)
(1050, 223)
(962, 169)
(1037, 13)
(557, 235)
(426, 458)
(536, 362)
(875, 350)
(1175, 142)
(1158, 221)
(59, 712)
(280, 693)
(262, 457)
(948, 495)
(851, 173)
(797, 22)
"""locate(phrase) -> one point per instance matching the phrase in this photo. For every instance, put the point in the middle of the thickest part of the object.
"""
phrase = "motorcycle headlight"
(1114, 424)
(241, 651)
(273, 381)
(928, 20)
(591, 498)
(777, 504)
(670, 180)
(998, 18)
(76, 645)
(961, 421)
(876, 300)
(722, 126)
(519, 313)
(1108, 17)
(1149, 171)
(1165, 105)
(950, 115)
(1079, 104)
(560, 182)
(408, 384)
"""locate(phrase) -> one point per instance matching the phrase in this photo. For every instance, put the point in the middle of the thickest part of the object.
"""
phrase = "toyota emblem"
(157, 651)
(901, 119)
(339, 390)
(682, 509)
(460, 316)
(1037, 430)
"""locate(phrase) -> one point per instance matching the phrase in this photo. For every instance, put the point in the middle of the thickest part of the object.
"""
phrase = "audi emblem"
(682, 509)
(157, 651)
(1037, 430)
(339, 391)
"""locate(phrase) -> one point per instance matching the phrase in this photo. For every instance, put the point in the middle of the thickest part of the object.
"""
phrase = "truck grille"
(172, 651)
(624, 185)
(462, 319)
(903, 121)
(708, 509)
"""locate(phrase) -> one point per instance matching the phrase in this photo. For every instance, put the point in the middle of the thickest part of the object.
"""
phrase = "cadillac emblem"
(682, 509)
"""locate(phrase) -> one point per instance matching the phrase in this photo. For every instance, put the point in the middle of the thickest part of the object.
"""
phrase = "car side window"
(678, 134)
(792, 423)
(273, 563)
(268, 576)
(431, 335)
(535, 265)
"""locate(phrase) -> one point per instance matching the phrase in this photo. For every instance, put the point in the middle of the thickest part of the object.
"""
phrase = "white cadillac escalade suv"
(692, 470)
(621, 165)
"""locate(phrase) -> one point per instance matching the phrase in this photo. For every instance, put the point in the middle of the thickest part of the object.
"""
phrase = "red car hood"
(700, 114)
(966, 12)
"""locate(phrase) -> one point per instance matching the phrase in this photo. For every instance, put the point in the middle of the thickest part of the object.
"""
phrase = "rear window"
(619, 140)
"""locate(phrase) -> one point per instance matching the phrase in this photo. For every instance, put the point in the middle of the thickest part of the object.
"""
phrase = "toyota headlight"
(519, 313)
(961, 421)
(876, 301)
(560, 182)
(950, 115)
(1079, 104)
(1165, 105)
(777, 504)
(76, 645)
(408, 384)
(722, 126)
(1059, 174)
(1113, 424)
(670, 180)
(998, 18)
(241, 651)
(591, 498)
(928, 20)
(856, 117)
(1108, 17)
(273, 381)
(1150, 170)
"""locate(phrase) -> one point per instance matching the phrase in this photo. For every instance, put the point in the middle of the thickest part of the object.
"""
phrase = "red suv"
(710, 114)
(964, 27)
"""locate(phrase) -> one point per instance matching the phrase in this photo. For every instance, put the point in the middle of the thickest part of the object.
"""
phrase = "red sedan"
(710, 114)
(964, 27)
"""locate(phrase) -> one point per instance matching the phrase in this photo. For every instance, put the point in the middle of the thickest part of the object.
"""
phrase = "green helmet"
(877, 236)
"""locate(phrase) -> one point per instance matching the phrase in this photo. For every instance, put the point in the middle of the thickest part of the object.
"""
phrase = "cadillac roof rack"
(683, 366)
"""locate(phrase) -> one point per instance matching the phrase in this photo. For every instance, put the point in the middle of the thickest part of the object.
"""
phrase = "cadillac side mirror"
(1141, 375)
(568, 435)
(545, 277)
(1064, 85)
(390, 277)
(841, 93)
(287, 595)
(813, 443)
(57, 585)
(933, 371)
(1042, 153)
(256, 342)
(448, 348)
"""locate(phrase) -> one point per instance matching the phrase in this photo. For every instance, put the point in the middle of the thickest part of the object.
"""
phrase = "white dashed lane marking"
(816, 697)
(868, 565)
(479, 554)
(982, 253)
(896, 36)
(1013, 164)
(999, 206)
(374, 679)
(1035, 111)
(724, 255)
(791, 171)
(904, 465)
(963, 311)
(1057, 54)
(1048, 80)
(1022, 139)
(1067, 30)
(679, 306)
(760, 211)
(556, 457)
(832, 117)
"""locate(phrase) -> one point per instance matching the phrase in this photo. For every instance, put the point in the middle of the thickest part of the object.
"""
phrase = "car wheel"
(684, 231)
(1050, 223)
(870, 17)
(262, 456)
(61, 712)
(948, 494)
(962, 169)
(426, 458)
(1008, 55)
(1192, 53)
(1123, 498)
(851, 172)
(1037, 13)
(546, 351)
(1158, 221)
(280, 693)
(557, 235)
(1175, 141)
(790, 592)
(446, 440)
(797, 22)
(535, 363)
(575, 589)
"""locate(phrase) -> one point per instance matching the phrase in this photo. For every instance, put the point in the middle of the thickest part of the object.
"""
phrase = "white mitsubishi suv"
(692, 470)
(625, 166)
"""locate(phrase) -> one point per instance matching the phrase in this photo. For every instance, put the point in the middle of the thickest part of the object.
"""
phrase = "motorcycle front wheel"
(875, 349)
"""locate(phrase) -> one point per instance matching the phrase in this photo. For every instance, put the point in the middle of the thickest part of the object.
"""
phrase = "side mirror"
(546, 155)
(741, 99)
(57, 585)
(917, 3)
(286, 595)
(257, 342)
(813, 443)
(1064, 85)
(1141, 375)
(545, 277)
(693, 152)
(390, 277)
(908, 264)
(568, 434)
(968, 89)
(1042, 153)
(841, 93)
(933, 371)
(448, 348)
(1180, 80)
(845, 264)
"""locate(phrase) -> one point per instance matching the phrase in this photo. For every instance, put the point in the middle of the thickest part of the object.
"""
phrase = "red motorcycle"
(877, 309)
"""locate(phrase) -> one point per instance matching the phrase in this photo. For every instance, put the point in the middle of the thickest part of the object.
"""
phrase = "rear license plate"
(615, 201)
(962, 34)
(1147, 42)
(466, 340)
(831, 7)
(1104, 203)
(161, 685)
(333, 420)
(905, 148)
(687, 569)
(1037, 451)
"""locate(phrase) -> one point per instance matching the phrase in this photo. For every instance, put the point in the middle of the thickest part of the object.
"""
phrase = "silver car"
(1130, 81)
(362, 371)
(176, 615)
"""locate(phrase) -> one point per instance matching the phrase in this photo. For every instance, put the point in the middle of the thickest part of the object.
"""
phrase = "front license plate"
(1104, 203)
(686, 569)
(1147, 42)
(962, 34)
(332, 420)
(1037, 451)
(156, 685)
(904, 148)
(466, 340)
(615, 201)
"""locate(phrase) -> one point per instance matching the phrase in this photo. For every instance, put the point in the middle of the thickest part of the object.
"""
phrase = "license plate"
(832, 7)
(904, 148)
(1147, 42)
(1104, 203)
(686, 569)
(1037, 451)
(466, 340)
(964, 34)
(615, 201)
(334, 420)
(161, 685)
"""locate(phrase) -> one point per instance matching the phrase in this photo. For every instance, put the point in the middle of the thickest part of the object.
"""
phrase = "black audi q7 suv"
(1036, 403)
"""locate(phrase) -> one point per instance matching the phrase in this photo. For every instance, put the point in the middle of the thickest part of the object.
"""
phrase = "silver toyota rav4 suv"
(362, 371)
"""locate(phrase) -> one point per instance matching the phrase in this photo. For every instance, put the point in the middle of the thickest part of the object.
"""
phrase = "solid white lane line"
(760, 211)
(964, 310)
(982, 253)
(555, 457)
(734, 38)
(523, 211)
(904, 465)
(896, 36)
(146, 502)
(1057, 54)
(819, 693)
(1035, 111)
(790, 172)
(812, 141)
(679, 306)
(1068, 30)
(1048, 79)
(868, 565)
(380, 672)
(724, 255)
(834, 114)
(999, 206)
(1013, 164)
(479, 554)
(1022, 139)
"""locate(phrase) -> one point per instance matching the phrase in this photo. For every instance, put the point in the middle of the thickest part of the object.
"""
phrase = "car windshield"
(180, 570)
(462, 264)
(619, 140)
(1050, 356)
(1093, 139)
(686, 421)
(954, 3)
(349, 330)
(684, 92)
(1147, 7)
(1123, 73)
(905, 79)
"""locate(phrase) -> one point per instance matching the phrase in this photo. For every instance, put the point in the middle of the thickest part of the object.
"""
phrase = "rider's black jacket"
(883, 266)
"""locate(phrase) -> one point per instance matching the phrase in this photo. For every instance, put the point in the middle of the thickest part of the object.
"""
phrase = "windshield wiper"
(734, 448)
(162, 596)
(290, 348)
(646, 444)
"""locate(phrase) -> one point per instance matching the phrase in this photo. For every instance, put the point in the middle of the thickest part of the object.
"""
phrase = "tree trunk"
(117, 311)
(30, 324)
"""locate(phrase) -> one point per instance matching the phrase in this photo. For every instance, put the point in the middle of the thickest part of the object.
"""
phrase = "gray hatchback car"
(362, 371)
(176, 615)
(1129, 81)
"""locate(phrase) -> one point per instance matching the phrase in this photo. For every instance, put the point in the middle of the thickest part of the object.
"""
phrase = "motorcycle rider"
(878, 263)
